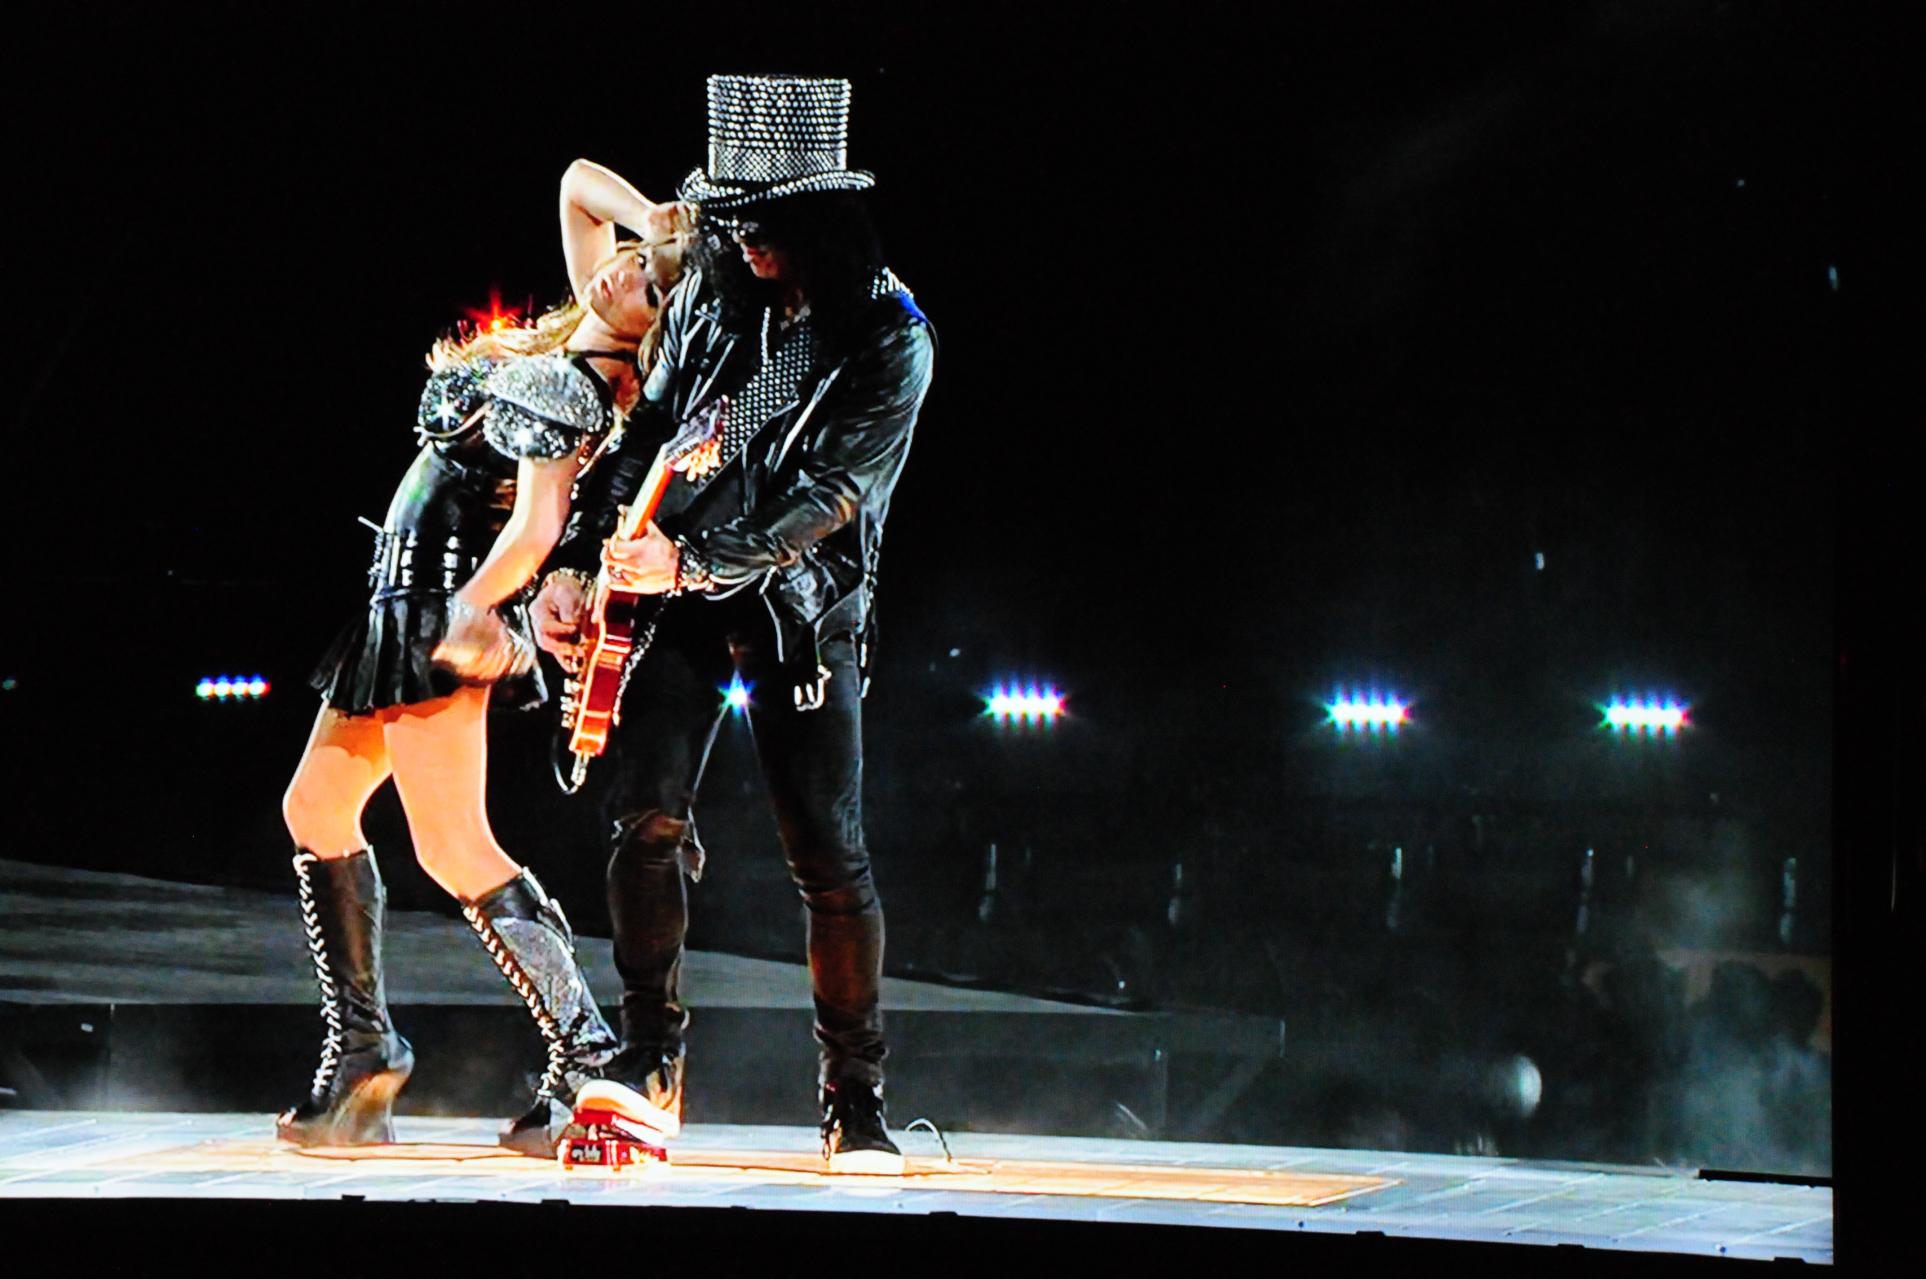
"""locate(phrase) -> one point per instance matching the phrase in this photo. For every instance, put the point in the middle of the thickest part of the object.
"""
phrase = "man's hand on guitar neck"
(645, 564)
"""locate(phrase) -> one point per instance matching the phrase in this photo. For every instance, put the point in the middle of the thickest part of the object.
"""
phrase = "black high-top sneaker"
(855, 1139)
(640, 1084)
(364, 1061)
(528, 937)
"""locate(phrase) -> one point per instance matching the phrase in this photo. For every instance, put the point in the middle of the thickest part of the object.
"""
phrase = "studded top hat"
(772, 136)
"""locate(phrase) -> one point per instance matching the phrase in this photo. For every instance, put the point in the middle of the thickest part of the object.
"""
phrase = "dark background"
(1274, 353)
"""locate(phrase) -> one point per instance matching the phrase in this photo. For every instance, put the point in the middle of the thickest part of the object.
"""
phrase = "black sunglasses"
(752, 234)
(745, 231)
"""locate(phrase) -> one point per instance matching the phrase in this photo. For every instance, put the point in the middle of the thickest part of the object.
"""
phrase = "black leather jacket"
(798, 516)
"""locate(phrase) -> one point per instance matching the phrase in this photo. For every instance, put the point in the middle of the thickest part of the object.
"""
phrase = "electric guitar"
(620, 623)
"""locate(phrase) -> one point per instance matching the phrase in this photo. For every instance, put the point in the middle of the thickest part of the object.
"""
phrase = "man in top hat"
(813, 360)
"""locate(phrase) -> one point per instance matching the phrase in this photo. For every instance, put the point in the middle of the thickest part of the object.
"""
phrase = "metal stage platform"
(163, 1158)
(89, 937)
(149, 1029)
(119, 992)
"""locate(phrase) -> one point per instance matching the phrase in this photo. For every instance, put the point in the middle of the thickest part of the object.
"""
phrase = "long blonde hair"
(550, 331)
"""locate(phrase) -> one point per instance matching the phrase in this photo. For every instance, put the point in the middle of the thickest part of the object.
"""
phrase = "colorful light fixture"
(1372, 712)
(1648, 715)
(231, 688)
(1024, 704)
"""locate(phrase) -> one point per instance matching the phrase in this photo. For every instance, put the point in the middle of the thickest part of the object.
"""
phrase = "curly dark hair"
(830, 240)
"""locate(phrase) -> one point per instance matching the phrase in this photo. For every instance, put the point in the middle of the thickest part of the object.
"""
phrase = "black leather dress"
(476, 421)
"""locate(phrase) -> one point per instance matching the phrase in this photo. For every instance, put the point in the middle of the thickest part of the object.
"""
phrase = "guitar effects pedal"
(602, 1139)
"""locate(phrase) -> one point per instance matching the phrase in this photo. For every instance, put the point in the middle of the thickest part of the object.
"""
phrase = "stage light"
(497, 317)
(1374, 712)
(1024, 703)
(736, 695)
(222, 688)
(1645, 715)
(1515, 1086)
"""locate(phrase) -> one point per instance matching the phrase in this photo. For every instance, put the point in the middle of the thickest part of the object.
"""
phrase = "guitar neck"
(642, 508)
(697, 435)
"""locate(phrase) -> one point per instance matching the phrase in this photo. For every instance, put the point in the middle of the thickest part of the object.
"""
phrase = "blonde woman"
(509, 418)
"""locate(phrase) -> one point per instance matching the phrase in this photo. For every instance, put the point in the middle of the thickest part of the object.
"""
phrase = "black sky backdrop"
(1274, 350)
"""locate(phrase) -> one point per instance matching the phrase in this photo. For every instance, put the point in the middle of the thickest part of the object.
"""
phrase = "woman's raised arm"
(594, 201)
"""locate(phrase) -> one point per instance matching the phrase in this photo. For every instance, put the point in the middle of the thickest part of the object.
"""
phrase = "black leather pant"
(812, 764)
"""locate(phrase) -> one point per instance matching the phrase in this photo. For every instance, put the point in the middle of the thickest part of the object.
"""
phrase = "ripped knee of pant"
(855, 898)
(655, 838)
(692, 855)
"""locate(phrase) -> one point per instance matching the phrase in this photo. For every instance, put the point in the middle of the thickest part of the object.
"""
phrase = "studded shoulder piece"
(543, 407)
(452, 402)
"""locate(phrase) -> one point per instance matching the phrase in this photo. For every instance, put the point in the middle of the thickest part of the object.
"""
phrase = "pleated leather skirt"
(385, 657)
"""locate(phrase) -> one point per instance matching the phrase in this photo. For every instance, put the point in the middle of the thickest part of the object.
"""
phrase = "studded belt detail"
(406, 563)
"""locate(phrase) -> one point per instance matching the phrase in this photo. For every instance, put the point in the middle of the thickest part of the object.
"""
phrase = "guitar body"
(593, 699)
(619, 624)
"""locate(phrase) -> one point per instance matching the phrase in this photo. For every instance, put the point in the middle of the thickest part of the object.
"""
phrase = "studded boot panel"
(528, 937)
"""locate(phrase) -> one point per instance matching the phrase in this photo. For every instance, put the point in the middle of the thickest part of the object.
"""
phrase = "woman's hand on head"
(666, 221)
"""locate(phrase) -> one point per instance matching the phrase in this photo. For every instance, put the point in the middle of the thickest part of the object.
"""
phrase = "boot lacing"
(551, 1080)
(332, 1040)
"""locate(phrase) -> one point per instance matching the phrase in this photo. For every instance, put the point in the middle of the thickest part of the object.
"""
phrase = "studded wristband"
(692, 572)
(460, 610)
(584, 580)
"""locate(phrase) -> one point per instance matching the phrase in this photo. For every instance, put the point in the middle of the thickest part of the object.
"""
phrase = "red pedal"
(604, 1140)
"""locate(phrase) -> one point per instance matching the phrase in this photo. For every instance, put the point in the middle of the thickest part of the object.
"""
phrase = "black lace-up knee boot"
(364, 1061)
(528, 937)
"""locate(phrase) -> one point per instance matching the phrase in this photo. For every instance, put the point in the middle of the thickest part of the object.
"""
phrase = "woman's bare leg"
(364, 1059)
(345, 763)
(439, 753)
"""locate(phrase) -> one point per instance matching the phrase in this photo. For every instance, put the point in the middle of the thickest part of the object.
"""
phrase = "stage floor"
(64, 1155)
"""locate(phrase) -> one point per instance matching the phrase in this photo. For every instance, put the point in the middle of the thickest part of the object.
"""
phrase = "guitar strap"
(775, 386)
(786, 358)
